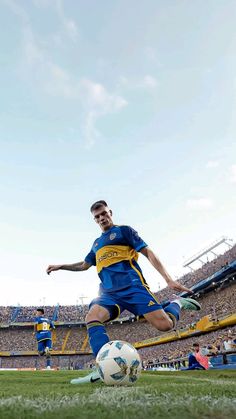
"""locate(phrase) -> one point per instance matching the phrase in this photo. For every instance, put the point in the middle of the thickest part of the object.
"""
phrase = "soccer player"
(115, 255)
(42, 329)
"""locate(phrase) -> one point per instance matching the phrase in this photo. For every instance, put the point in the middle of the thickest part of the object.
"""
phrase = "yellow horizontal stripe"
(109, 255)
(42, 327)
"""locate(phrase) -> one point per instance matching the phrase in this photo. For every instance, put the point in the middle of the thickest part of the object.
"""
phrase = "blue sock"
(173, 311)
(48, 362)
(97, 336)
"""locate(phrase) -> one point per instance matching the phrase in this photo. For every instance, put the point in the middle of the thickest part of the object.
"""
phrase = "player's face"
(103, 217)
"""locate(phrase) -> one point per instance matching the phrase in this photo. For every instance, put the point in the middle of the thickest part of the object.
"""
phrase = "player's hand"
(178, 287)
(52, 268)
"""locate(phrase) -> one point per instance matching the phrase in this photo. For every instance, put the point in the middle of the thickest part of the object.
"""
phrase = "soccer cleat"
(189, 304)
(93, 377)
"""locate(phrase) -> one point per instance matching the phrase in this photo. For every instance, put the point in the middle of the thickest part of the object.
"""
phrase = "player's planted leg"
(97, 338)
(48, 358)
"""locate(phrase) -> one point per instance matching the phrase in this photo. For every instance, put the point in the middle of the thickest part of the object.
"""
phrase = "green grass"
(48, 394)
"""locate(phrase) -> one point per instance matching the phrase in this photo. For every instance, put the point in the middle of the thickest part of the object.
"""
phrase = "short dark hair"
(98, 204)
(40, 309)
(196, 344)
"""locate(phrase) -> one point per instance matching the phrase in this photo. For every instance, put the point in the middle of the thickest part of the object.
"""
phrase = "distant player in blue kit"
(42, 329)
(123, 287)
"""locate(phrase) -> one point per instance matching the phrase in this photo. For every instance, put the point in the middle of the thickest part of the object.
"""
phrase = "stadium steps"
(54, 336)
(85, 342)
(65, 340)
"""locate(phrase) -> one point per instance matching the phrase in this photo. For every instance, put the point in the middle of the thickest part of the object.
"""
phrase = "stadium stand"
(215, 288)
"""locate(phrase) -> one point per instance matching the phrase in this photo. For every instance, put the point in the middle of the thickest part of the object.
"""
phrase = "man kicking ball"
(123, 287)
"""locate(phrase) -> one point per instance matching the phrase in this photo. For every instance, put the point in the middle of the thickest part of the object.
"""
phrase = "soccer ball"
(118, 363)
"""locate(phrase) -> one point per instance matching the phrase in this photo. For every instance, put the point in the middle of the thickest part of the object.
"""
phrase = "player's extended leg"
(95, 318)
(167, 318)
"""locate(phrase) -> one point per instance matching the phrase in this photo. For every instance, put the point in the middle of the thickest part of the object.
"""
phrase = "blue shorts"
(43, 344)
(137, 299)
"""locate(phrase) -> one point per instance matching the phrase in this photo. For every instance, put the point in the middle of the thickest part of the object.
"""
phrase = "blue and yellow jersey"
(115, 254)
(43, 328)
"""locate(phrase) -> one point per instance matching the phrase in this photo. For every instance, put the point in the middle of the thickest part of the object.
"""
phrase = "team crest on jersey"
(96, 244)
(112, 236)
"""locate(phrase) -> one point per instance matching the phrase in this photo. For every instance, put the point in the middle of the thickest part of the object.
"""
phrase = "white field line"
(117, 397)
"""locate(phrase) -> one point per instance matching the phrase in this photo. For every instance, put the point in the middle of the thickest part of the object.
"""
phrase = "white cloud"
(98, 97)
(98, 102)
(150, 81)
(147, 82)
(233, 173)
(211, 164)
(42, 71)
(17, 10)
(91, 134)
(51, 79)
(68, 23)
(93, 97)
(199, 204)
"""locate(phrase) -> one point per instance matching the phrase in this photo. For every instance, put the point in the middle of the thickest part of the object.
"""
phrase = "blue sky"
(132, 102)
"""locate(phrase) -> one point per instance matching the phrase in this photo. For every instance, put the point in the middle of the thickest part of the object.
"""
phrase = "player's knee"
(98, 314)
(164, 326)
(41, 353)
(93, 317)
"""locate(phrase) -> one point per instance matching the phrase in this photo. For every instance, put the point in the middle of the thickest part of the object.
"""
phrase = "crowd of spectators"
(17, 339)
(180, 348)
(77, 338)
(78, 312)
(72, 313)
(23, 339)
(36, 362)
(216, 304)
(206, 270)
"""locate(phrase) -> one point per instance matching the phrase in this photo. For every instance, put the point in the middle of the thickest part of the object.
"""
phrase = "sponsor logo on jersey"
(108, 255)
(151, 303)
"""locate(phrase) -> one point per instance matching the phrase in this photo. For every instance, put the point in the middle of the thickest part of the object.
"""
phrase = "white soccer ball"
(118, 363)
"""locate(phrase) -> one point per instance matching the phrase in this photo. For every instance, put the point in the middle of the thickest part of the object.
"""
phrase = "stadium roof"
(197, 257)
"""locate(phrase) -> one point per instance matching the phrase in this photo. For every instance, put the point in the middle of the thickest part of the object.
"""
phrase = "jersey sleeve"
(91, 258)
(133, 238)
